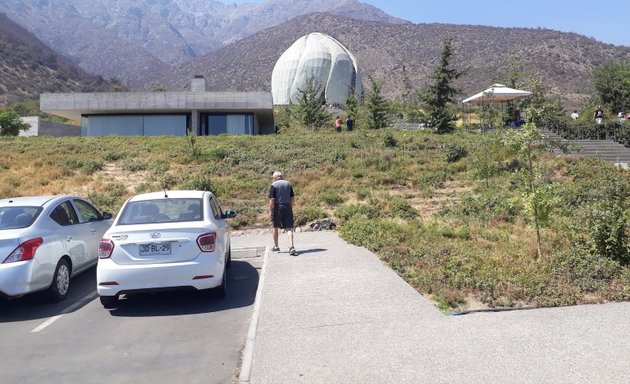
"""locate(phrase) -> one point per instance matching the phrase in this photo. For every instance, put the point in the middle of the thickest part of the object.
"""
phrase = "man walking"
(281, 199)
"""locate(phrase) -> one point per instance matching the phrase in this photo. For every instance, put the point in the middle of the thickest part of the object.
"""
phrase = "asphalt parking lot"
(170, 337)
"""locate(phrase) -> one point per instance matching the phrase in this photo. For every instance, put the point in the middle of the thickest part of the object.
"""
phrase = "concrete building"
(39, 127)
(165, 113)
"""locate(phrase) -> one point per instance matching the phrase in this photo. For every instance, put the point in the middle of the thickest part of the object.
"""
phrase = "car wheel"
(60, 286)
(109, 301)
(221, 291)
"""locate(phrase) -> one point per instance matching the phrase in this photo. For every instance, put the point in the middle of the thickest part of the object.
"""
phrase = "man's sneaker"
(275, 249)
(292, 251)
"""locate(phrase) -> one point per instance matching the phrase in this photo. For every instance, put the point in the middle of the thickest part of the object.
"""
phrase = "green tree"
(10, 124)
(352, 108)
(528, 143)
(538, 106)
(441, 92)
(612, 84)
(311, 109)
(376, 106)
(512, 77)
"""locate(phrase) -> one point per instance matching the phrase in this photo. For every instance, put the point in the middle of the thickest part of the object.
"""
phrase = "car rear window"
(161, 211)
(18, 217)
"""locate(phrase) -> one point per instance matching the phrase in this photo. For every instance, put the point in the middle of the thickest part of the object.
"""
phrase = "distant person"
(599, 115)
(575, 115)
(349, 123)
(622, 117)
(518, 119)
(281, 200)
(338, 124)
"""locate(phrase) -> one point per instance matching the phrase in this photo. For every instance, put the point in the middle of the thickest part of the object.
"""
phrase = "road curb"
(248, 351)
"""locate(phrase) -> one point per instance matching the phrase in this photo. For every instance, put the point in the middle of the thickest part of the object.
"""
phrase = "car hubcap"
(63, 279)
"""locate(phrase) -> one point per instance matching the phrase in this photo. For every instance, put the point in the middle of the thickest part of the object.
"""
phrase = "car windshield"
(18, 217)
(161, 211)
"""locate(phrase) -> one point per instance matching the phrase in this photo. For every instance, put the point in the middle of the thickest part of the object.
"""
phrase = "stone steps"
(605, 150)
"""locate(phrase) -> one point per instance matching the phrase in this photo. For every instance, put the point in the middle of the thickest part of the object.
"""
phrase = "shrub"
(389, 141)
(435, 179)
(455, 152)
(372, 234)
(362, 193)
(400, 207)
(330, 197)
(302, 216)
(369, 211)
(113, 156)
(608, 233)
(86, 166)
(198, 183)
(135, 165)
(111, 199)
(485, 207)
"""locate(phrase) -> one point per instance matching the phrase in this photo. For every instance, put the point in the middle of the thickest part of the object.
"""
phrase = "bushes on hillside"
(584, 131)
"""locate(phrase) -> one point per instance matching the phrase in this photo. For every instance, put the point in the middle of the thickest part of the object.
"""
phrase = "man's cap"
(277, 174)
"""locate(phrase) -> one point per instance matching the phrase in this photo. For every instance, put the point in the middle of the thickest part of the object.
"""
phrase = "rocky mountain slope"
(406, 53)
(29, 67)
(129, 39)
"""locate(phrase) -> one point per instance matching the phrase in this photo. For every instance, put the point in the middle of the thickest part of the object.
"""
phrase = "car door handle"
(68, 238)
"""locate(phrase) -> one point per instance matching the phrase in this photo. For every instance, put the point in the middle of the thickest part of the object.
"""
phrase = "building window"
(135, 125)
(232, 124)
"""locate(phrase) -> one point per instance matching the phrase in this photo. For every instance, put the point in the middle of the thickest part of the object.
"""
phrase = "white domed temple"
(322, 58)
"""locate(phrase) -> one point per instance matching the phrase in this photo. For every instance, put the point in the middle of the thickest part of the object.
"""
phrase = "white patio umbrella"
(497, 93)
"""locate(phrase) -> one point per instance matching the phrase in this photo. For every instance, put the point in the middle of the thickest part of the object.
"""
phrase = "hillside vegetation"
(28, 67)
(447, 212)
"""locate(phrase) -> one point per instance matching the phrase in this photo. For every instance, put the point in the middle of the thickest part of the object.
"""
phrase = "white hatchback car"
(165, 240)
(45, 240)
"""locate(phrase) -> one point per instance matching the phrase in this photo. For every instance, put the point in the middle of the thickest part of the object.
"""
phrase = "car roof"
(33, 201)
(169, 194)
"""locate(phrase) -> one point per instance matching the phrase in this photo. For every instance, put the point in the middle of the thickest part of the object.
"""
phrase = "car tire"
(109, 302)
(58, 290)
(221, 291)
(228, 263)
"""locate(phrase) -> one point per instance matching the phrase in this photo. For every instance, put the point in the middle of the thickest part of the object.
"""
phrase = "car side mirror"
(229, 214)
(107, 215)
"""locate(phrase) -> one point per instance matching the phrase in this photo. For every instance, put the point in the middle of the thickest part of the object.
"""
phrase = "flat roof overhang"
(74, 105)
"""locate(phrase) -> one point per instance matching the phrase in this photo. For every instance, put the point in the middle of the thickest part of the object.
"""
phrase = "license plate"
(155, 249)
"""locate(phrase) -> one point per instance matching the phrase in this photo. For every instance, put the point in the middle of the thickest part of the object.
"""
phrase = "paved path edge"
(248, 350)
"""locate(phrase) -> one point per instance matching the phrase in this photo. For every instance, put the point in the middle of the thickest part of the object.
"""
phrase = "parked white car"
(165, 240)
(46, 240)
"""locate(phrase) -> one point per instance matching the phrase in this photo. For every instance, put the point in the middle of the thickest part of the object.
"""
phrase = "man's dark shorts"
(282, 216)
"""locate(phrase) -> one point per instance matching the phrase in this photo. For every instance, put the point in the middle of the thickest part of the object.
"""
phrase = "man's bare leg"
(275, 237)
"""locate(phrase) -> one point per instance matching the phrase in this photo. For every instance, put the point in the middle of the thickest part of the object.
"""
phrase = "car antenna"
(165, 195)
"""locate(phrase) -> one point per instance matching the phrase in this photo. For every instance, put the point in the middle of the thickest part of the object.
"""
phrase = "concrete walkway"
(336, 314)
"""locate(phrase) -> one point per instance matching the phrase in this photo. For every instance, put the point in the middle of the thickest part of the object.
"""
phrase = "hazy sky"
(605, 20)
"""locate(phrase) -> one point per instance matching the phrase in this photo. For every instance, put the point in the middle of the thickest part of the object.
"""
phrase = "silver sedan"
(46, 240)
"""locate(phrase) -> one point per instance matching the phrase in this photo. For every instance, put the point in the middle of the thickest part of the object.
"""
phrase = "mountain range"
(403, 56)
(161, 44)
(126, 39)
(29, 67)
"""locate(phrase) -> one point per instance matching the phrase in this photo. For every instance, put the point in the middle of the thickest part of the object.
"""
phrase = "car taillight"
(207, 241)
(105, 249)
(24, 251)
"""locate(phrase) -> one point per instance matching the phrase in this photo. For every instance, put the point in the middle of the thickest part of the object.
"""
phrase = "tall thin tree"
(441, 92)
(376, 106)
